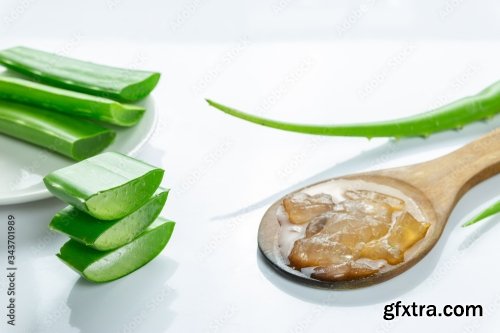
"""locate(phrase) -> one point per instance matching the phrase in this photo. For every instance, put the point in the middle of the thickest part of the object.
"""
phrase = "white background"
(313, 61)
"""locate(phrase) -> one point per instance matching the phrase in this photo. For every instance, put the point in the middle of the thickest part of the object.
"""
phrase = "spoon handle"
(471, 164)
(444, 180)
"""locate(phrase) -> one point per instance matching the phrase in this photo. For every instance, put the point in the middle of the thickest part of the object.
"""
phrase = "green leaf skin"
(104, 266)
(70, 102)
(100, 80)
(490, 211)
(455, 115)
(108, 235)
(108, 186)
(68, 136)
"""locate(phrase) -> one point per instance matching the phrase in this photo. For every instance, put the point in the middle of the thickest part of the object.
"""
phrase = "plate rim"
(45, 194)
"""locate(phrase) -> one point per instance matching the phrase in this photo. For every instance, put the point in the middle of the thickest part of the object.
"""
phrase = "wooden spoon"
(435, 186)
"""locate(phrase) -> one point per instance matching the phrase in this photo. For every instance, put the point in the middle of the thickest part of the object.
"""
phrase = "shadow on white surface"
(138, 302)
(384, 153)
(151, 154)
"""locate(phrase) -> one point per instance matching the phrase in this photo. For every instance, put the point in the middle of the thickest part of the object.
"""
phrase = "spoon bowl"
(434, 186)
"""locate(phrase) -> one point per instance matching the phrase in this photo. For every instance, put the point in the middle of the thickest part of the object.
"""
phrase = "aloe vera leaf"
(108, 186)
(108, 235)
(75, 138)
(103, 266)
(490, 211)
(70, 102)
(455, 115)
(118, 83)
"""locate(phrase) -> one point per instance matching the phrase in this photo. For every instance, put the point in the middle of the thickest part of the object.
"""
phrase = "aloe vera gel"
(112, 217)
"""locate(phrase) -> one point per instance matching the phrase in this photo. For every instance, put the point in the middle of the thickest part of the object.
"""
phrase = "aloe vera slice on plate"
(118, 83)
(69, 102)
(108, 235)
(75, 138)
(108, 186)
(103, 266)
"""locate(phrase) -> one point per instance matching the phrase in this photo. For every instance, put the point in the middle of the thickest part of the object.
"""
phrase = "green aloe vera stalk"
(103, 266)
(108, 186)
(490, 211)
(484, 105)
(123, 84)
(108, 235)
(74, 138)
(66, 101)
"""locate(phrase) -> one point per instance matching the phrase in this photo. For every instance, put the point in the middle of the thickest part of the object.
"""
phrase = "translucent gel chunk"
(301, 207)
(353, 238)
(318, 251)
(346, 271)
(396, 203)
(379, 250)
(406, 232)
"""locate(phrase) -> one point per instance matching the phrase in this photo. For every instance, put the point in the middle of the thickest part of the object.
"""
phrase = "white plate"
(23, 165)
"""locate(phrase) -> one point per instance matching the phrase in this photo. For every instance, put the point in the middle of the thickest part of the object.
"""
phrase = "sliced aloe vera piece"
(68, 136)
(108, 235)
(103, 266)
(70, 102)
(118, 83)
(108, 186)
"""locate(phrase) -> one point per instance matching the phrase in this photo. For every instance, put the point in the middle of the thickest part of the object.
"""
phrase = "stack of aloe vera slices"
(112, 217)
(71, 103)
